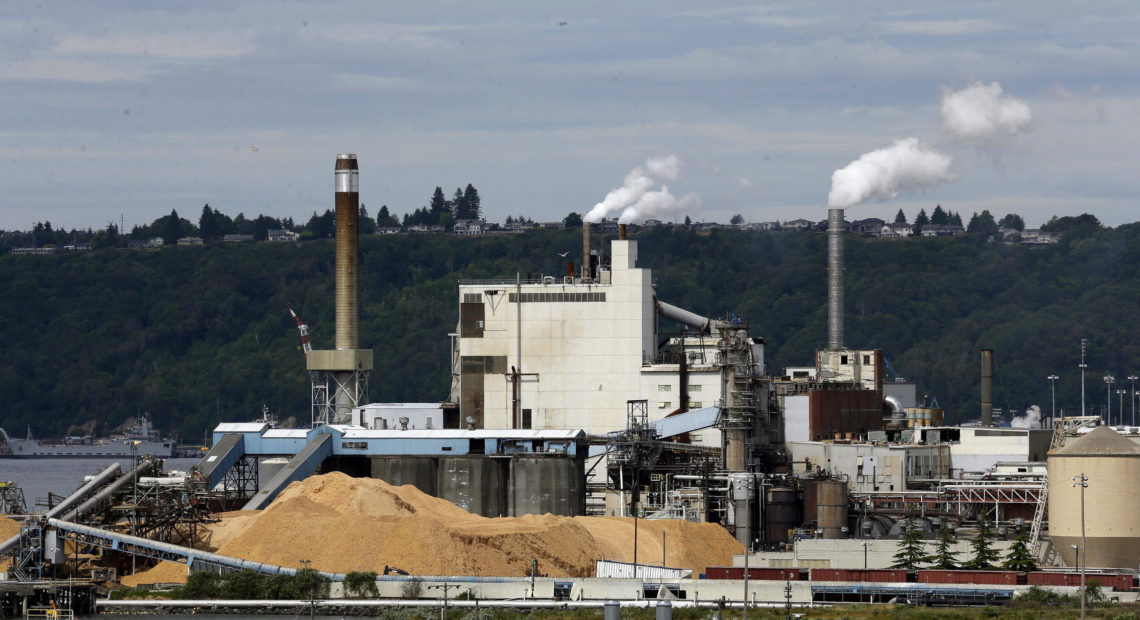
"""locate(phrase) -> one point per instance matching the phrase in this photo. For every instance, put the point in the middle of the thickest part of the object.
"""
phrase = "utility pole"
(1083, 366)
(1082, 555)
(1132, 378)
(1053, 380)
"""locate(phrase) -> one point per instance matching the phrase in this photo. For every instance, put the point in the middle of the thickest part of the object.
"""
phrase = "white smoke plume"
(634, 198)
(885, 173)
(981, 115)
(1031, 419)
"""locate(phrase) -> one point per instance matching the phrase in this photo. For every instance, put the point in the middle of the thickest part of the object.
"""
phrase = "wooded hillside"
(195, 335)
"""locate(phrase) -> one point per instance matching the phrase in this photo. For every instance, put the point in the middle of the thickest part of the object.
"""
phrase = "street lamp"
(1082, 481)
(1120, 402)
(1108, 381)
(1132, 378)
(1053, 380)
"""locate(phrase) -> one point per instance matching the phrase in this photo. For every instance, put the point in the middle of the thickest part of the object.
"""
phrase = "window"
(866, 359)
(842, 359)
(664, 388)
(696, 404)
(526, 421)
(664, 404)
(694, 388)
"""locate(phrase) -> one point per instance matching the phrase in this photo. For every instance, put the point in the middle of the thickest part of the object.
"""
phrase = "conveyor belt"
(221, 458)
(298, 468)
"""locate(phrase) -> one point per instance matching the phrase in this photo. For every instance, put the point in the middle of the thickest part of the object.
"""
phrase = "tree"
(361, 583)
(984, 553)
(1083, 225)
(384, 219)
(474, 207)
(459, 205)
(688, 221)
(439, 206)
(944, 555)
(900, 217)
(737, 220)
(1020, 557)
(911, 551)
(573, 220)
(367, 224)
(1012, 220)
(955, 219)
(982, 224)
(921, 220)
(939, 217)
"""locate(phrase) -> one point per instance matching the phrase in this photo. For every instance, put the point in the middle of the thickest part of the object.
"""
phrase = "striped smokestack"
(835, 230)
(347, 252)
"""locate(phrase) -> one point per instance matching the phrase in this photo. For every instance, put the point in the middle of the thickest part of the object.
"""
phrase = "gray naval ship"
(142, 438)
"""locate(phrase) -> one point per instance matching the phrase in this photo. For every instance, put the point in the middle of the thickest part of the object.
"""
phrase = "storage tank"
(418, 471)
(1112, 524)
(546, 484)
(831, 508)
(474, 483)
(782, 514)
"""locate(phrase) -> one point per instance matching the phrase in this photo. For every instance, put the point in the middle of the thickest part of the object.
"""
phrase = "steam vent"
(1112, 523)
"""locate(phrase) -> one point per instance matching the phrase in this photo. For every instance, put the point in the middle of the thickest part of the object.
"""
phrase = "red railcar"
(996, 577)
(1118, 582)
(759, 574)
(859, 574)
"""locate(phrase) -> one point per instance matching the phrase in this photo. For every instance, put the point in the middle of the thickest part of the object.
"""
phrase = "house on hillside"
(895, 231)
(145, 244)
(1034, 236)
(871, 227)
(469, 227)
(281, 234)
(800, 224)
(190, 241)
(942, 230)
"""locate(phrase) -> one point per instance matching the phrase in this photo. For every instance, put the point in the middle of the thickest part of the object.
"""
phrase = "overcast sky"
(137, 108)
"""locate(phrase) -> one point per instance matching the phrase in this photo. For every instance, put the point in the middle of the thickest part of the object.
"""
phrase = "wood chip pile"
(345, 524)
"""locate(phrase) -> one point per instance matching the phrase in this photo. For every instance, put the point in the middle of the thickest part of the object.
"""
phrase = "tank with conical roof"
(1112, 499)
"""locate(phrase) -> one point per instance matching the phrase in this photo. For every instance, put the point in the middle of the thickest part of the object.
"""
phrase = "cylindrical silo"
(831, 508)
(418, 471)
(474, 483)
(782, 514)
(1111, 463)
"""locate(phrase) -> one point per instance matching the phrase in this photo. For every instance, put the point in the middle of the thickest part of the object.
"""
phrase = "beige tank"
(1112, 500)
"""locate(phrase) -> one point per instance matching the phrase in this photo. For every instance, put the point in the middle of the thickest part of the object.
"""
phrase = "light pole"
(1120, 392)
(1132, 379)
(1083, 366)
(1108, 381)
(1053, 380)
(1082, 481)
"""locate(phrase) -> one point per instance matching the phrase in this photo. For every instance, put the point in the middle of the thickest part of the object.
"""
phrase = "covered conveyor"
(299, 467)
(228, 448)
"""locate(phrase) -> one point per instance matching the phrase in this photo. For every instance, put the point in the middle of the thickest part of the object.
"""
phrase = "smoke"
(907, 164)
(636, 198)
(981, 116)
(1032, 418)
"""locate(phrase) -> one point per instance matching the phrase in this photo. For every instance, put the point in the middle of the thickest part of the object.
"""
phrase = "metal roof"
(1101, 441)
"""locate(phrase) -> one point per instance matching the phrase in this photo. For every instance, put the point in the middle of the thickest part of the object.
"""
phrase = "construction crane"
(304, 329)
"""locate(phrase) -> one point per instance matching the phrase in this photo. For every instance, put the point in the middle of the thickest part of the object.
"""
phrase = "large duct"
(702, 324)
(987, 387)
(835, 231)
(347, 252)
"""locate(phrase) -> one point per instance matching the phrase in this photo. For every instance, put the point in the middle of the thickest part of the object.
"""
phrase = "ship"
(142, 438)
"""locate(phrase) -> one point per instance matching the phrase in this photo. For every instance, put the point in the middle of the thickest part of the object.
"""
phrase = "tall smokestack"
(347, 252)
(621, 232)
(585, 251)
(835, 231)
(987, 387)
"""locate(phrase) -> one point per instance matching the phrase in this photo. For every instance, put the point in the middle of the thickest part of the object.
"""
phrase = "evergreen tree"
(921, 220)
(439, 206)
(900, 217)
(367, 224)
(984, 553)
(688, 221)
(459, 205)
(955, 219)
(737, 220)
(939, 217)
(982, 224)
(944, 555)
(911, 551)
(471, 197)
(384, 219)
(573, 220)
(1020, 557)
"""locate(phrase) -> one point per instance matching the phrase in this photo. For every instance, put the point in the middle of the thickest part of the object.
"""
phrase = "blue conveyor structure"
(299, 467)
(227, 449)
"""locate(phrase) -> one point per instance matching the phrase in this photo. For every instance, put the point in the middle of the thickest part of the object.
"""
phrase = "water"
(38, 477)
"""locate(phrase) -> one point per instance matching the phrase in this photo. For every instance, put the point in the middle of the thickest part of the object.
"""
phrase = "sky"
(127, 110)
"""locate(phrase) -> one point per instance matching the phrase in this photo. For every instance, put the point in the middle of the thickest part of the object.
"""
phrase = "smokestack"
(347, 252)
(987, 387)
(835, 231)
(585, 251)
(621, 232)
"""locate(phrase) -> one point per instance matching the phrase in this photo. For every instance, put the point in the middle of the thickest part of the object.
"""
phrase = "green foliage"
(944, 555)
(412, 588)
(1020, 556)
(573, 220)
(202, 585)
(251, 585)
(900, 217)
(361, 583)
(911, 552)
(985, 556)
(1038, 596)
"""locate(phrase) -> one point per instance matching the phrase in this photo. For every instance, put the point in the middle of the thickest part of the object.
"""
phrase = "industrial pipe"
(700, 323)
(987, 418)
(835, 230)
(84, 491)
(586, 274)
(144, 466)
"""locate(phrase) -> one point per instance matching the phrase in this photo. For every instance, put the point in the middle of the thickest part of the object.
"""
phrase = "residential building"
(469, 227)
(190, 241)
(942, 230)
(281, 234)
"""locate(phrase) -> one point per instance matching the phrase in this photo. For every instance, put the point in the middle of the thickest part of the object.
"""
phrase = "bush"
(361, 584)
(413, 588)
(1038, 596)
(202, 585)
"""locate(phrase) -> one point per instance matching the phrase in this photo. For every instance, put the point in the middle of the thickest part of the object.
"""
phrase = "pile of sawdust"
(163, 572)
(345, 524)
